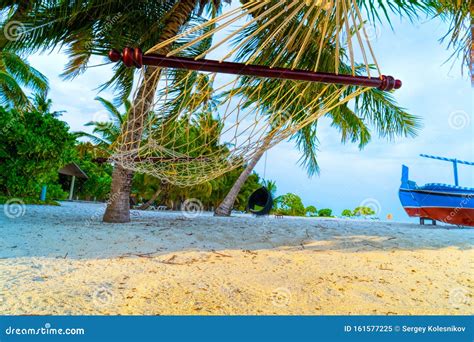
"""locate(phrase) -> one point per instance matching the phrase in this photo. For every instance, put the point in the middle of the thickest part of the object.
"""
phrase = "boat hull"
(457, 216)
(441, 202)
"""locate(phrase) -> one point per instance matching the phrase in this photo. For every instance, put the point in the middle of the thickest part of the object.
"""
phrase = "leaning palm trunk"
(153, 198)
(118, 206)
(227, 204)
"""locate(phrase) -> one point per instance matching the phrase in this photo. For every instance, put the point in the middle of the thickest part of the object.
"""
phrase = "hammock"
(210, 116)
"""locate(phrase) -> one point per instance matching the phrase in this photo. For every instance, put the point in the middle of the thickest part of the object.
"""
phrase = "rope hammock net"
(205, 122)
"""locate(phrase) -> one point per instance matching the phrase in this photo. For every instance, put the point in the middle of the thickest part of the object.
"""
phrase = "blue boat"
(452, 204)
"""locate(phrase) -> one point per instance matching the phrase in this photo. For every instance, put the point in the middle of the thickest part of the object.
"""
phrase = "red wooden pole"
(134, 57)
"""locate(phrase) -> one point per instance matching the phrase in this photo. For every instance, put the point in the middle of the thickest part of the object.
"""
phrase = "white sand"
(64, 260)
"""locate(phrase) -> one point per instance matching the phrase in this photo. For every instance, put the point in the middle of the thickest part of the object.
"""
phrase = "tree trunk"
(227, 204)
(118, 207)
(153, 198)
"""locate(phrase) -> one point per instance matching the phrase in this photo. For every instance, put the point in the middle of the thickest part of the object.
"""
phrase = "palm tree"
(94, 27)
(16, 73)
(106, 133)
(371, 108)
(459, 36)
(41, 103)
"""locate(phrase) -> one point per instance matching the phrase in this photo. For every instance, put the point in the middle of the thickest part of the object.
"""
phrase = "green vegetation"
(359, 211)
(347, 213)
(36, 144)
(290, 204)
(311, 211)
(33, 147)
(325, 212)
(28, 200)
(363, 211)
(16, 74)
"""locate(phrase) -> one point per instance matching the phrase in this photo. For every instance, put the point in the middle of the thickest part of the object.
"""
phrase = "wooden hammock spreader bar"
(170, 159)
(134, 57)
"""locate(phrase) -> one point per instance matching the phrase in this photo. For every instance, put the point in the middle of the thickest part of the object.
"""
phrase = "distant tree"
(40, 102)
(325, 213)
(311, 210)
(347, 213)
(97, 185)
(271, 186)
(33, 147)
(105, 133)
(290, 204)
(363, 211)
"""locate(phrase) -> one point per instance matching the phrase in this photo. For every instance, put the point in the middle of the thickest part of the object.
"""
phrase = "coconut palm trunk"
(148, 203)
(225, 208)
(118, 206)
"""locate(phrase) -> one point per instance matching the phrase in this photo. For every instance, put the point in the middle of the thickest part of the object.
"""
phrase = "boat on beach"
(451, 204)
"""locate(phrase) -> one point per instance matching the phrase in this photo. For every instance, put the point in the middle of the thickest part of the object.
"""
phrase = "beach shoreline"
(64, 260)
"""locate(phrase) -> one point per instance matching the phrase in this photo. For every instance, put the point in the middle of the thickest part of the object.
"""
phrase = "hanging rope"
(205, 123)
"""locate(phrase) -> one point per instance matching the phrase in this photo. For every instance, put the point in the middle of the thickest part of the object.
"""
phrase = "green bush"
(363, 211)
(33, 147)
(311, 211)
(97, 185)
(325, 213)
(291, 205)
(347, 213)
(56, 192)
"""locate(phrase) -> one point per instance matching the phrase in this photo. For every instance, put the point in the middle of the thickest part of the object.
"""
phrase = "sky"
(433, 89)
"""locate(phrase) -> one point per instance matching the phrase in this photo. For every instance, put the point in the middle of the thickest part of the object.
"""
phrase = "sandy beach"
(64, 260)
